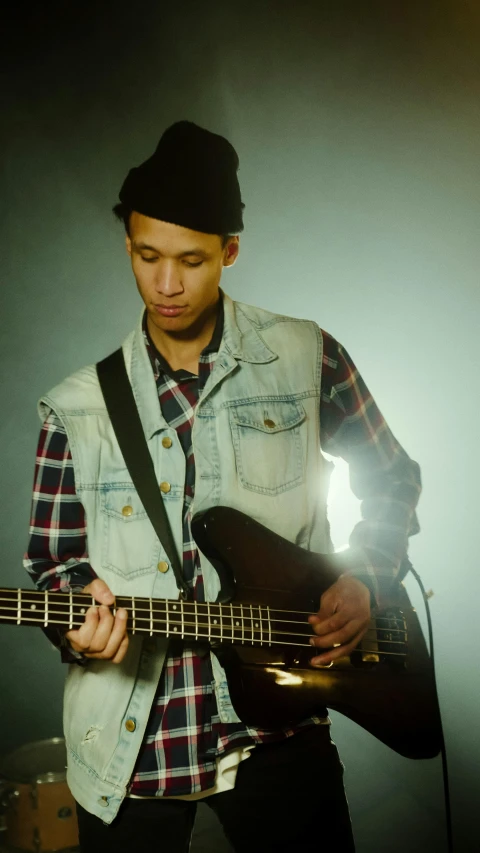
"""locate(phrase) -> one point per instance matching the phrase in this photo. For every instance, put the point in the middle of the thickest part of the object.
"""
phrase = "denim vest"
(268, 369)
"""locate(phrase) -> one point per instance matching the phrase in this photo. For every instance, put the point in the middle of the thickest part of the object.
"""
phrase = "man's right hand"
(102, 636)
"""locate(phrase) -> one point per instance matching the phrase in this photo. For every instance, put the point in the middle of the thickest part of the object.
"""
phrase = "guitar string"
(226, 619)
(31, 620)
(80, 598)
(158, 603)
(247, 642)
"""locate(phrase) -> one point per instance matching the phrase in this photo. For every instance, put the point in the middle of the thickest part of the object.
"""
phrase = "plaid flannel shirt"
(184, 734)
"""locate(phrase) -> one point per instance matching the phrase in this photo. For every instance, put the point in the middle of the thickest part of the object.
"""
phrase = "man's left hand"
(342, 620)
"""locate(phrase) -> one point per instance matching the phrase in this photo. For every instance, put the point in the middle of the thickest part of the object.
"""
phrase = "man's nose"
(168, 279)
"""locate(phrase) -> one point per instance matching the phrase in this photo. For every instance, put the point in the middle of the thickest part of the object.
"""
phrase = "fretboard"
(235, 623)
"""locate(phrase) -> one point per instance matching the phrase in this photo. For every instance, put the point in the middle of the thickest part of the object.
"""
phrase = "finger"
(330, 603)
(100, 591)
(104, 629)
(116, 636)
(334, 654)
(121, 651)
(331, 624)
(80, 638)
(341, 636)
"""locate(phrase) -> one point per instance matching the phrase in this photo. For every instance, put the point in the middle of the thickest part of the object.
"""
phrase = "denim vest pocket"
(268, 445)
(125, 522)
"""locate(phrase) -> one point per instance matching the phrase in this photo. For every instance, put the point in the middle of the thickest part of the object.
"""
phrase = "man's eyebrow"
(195, 251)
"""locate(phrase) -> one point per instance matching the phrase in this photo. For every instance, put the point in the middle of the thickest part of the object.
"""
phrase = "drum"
(36, 807)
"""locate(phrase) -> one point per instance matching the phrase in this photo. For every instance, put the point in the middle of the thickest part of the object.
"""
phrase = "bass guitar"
(258, 629)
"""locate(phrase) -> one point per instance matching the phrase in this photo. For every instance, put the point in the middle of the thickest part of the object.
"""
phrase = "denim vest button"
(163, 566)
(130, 725)
(165, 487)
(103, 801)
(166, 442)
(269, 423)
(127, 511)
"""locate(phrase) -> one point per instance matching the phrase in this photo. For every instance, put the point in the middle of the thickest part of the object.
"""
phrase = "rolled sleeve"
(382, 475)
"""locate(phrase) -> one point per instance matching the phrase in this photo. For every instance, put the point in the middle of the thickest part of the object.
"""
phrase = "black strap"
(121, 407)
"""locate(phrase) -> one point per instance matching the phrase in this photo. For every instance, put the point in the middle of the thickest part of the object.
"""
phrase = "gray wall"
(357, 130)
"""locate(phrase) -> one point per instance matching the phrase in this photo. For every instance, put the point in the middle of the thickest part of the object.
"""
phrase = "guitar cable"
(446, 790)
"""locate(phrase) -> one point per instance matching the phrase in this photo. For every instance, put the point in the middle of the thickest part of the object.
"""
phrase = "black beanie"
(190, 180)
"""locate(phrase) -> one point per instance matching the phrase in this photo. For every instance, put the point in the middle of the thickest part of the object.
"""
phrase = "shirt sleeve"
(57, 556)
(382, 475)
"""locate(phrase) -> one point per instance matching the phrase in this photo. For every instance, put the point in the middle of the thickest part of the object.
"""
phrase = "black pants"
(288, 798)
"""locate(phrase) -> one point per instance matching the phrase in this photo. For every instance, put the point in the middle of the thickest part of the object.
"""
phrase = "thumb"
(100, 591)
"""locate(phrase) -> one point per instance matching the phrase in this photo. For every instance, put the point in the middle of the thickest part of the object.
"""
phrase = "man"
(235, 403)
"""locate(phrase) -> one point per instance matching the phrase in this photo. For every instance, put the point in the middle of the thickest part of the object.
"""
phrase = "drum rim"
(35, 779)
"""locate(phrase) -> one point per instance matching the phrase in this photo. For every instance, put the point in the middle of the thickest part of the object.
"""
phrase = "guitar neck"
(235, 623)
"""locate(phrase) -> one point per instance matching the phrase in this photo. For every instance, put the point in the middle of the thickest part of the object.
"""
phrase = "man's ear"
(128, 244)
(231, 252)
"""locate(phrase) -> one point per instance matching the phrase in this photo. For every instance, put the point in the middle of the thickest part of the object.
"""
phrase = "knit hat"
(190, 180)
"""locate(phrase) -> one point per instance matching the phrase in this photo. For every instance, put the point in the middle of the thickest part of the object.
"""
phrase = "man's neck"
(182, 349)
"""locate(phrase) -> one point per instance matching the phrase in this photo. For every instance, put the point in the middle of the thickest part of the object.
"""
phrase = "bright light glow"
(284, 678)
(342, 505)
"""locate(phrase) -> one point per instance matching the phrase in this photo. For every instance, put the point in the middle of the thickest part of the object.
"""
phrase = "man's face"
(177, 271)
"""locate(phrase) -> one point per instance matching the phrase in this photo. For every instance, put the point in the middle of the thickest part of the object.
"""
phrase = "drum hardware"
(7, 796)
(64, 812)
(37, 810)
(36, 840)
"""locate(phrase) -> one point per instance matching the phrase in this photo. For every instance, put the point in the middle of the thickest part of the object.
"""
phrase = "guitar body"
(386, 685)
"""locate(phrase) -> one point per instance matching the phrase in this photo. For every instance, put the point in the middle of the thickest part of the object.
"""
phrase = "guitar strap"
(121, 406)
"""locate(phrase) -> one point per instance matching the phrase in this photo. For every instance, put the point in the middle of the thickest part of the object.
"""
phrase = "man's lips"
(169, 310)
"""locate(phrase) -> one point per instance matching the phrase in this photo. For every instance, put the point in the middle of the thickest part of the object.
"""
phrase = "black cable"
(446, 790)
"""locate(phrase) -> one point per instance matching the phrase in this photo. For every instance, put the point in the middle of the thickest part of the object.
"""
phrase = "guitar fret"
(133, 615)
(46, 609)
(19, 607)
(243, 624)
(151, 618)
(209, 622)
(70, 622)
(269, 627)
(196, 620)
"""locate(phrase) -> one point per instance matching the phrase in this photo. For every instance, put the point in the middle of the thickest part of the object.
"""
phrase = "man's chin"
(178, 323)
